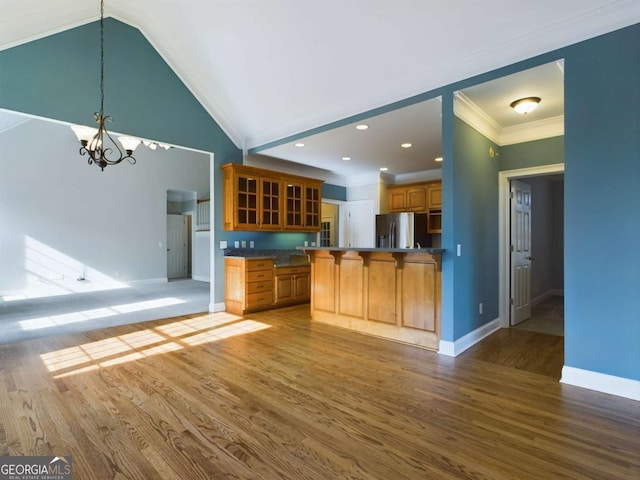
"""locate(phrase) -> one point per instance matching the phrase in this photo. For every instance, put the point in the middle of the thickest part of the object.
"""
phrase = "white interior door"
(177, 249)
(361, 224)
(520, 252)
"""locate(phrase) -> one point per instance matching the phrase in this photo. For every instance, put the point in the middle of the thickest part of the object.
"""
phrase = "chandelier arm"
(99, 148)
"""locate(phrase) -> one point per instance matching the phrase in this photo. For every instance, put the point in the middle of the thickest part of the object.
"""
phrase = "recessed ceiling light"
(383, 169)
(299, 144)
(362, 126)
(525, 105)
(406, 145)
(346, 158)
(438, 159)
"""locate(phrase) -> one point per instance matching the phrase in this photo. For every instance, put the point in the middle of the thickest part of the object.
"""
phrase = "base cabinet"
(248, 284)
(394, 295)
(292, 285)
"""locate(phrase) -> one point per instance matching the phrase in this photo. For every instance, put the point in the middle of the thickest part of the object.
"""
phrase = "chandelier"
(98, 144)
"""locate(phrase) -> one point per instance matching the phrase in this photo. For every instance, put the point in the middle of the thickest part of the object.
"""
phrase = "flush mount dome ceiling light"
(525, 105)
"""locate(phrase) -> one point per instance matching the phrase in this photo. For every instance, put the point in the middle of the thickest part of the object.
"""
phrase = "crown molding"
(526, 132)
(470, 113)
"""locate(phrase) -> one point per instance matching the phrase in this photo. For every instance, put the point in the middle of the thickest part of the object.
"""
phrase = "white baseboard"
(453, 349)
(200, 278)
(217, 307)
(601, 382)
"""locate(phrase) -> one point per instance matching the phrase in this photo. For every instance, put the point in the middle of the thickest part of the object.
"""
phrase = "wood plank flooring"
(272, 396)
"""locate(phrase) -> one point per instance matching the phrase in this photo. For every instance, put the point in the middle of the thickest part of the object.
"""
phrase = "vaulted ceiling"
(267, 69)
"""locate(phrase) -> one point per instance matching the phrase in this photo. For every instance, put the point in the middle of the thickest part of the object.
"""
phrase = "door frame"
(341, 220)
(504, 233)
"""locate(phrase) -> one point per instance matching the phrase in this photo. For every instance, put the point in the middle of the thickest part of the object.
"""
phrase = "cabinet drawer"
(257, 287)
(292, 270)
(259, 299)
(259, 264)
(260, 276)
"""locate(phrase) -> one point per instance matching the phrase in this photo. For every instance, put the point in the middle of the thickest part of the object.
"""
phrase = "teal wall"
(602, 204)
(334, 192)
(532, 154)
(475, 228)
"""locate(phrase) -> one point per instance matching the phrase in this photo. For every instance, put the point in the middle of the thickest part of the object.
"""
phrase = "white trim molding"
(527, 132)
(453, 349)
(601, 382)
(470, 113)
(217, 307)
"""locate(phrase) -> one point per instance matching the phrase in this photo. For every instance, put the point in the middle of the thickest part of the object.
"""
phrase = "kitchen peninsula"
(387, 292)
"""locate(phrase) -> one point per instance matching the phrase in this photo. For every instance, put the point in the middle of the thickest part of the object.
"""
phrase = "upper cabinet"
(263, 200)
(434, 195)
(417, 197)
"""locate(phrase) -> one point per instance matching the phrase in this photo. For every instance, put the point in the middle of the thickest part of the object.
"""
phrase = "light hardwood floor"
(271, 396)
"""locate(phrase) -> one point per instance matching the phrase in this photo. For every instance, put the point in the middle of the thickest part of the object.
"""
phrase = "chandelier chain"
(101, 57)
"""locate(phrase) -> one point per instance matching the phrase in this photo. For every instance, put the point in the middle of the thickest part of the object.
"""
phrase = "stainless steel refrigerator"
(401, 230)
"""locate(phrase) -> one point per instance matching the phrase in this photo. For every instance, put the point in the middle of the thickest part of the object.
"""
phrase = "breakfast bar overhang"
(390, 293)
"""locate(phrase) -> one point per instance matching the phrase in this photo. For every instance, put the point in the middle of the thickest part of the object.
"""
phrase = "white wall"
(59, 216)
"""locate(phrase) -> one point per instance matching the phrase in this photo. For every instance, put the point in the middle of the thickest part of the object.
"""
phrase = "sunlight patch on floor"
(187, 332)
(75, 317)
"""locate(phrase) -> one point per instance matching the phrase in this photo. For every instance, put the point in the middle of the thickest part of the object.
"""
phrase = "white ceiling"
(268, 69)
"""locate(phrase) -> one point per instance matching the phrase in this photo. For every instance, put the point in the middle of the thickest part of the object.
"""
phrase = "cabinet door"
(270, 190)
(417, 199)
(312, 208)
(246, 192)
(302, 286)
(284, 288)
(397, 200)
(293, 202)
(434, 194)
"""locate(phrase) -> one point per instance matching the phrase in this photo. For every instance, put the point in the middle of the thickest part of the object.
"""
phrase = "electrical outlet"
(480, 308)
(244, 244)
(252, 244)
(223, 244)
(236, 244)
(459, 250)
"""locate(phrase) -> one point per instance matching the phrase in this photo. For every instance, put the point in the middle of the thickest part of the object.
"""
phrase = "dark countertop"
(363, 249)
(287, 257)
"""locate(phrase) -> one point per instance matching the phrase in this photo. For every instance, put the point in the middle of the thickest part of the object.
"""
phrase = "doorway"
(546, 279)
(181, 206)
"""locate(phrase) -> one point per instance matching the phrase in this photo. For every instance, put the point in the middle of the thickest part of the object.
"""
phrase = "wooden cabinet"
(407, 198)
(434, 195)
(394, 295)
(252, 199)
(292, 284)
(248, 284)
(416, 197)
(434, 212)
(262, 200)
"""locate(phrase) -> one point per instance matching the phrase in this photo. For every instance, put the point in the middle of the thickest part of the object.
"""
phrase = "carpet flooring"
(42, 313)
